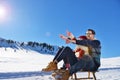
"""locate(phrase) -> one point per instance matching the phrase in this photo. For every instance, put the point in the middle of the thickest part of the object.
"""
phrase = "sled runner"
(74, 76)
(59, 73)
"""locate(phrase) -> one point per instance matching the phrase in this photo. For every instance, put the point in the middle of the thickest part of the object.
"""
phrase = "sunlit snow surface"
(26, 65)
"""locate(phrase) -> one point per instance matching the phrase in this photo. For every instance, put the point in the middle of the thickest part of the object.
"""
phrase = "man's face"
(89, 35)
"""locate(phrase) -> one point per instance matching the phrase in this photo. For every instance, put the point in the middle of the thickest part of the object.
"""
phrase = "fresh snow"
(22, 64)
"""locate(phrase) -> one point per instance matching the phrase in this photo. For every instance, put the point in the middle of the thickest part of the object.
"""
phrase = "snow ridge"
(34, 46)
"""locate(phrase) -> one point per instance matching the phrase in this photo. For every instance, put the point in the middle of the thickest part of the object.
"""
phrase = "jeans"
(86, 63)
(68, 56)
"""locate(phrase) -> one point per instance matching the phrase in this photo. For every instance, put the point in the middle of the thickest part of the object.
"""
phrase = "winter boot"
(51, 66)
(61, 74)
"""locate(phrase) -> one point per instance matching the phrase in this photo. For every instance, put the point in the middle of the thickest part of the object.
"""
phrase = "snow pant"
(68, 56)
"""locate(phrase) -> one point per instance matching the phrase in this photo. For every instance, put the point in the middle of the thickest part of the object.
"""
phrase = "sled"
(74, 76)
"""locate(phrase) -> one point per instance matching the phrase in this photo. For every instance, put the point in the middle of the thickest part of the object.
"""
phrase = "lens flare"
(3, 12)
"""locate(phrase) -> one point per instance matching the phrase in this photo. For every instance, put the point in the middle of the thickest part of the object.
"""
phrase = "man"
(67, 55)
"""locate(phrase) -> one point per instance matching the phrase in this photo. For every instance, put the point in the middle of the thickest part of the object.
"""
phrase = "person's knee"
(68, 48)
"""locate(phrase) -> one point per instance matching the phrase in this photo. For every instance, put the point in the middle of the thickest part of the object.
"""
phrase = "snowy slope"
(42, 48)
(25, 64)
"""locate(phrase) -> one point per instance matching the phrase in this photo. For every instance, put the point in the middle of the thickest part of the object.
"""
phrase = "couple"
(89, 60)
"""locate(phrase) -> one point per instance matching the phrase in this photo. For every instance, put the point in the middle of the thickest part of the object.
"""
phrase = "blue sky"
(44, 20)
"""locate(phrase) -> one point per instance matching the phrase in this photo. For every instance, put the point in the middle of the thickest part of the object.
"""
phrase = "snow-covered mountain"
(24, 63)
(34, 46)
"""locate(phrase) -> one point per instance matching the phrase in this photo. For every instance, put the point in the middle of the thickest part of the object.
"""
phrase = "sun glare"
(3, 12)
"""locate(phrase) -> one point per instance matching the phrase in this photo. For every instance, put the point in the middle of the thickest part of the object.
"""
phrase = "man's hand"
(67, 40)
(70, 35)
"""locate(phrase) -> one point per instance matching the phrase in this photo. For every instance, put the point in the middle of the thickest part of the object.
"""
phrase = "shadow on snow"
(114, 68)
(9, 75)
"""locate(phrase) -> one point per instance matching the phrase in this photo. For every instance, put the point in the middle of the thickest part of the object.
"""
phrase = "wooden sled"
(74, 76)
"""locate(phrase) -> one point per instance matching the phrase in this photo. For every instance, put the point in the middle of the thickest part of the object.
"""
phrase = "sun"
(3, 12)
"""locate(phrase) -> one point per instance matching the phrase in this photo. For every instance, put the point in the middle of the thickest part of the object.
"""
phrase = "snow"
(22, 64)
